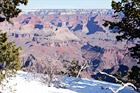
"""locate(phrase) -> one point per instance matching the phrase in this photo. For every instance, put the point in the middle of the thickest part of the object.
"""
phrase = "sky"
(68, 4)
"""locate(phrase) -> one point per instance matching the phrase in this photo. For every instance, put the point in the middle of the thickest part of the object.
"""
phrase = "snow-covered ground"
(27, 84)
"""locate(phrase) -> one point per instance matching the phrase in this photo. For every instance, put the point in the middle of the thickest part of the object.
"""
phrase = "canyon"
(58, 36)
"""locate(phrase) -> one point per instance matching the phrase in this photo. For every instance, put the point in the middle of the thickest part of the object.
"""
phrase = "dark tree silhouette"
(8, 9)
(128, 29)
(129, 26)
(9, 53)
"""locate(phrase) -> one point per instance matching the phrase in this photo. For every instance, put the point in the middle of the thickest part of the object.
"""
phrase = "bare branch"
(111, 89)
(125, 85)
(84, 66)
(117, 80)
(122, 87)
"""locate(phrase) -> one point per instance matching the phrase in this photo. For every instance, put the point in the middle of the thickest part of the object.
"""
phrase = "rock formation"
(65, 35)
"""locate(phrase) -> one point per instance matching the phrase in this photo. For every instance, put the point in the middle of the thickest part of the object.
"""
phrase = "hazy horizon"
(64, 8)
(63, 4)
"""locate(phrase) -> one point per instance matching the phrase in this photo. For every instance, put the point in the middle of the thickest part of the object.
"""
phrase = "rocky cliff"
(64, 35)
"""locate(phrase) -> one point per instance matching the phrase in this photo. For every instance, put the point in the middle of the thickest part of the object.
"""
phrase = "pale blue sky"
(68, 4)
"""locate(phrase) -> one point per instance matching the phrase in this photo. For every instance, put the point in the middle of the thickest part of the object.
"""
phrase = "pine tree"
(9, 53)
(73, 69)
(128, 28)
(99, 78)
(8, 9)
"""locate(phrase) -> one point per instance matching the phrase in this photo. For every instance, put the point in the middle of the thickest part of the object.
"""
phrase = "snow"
(25, 83)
